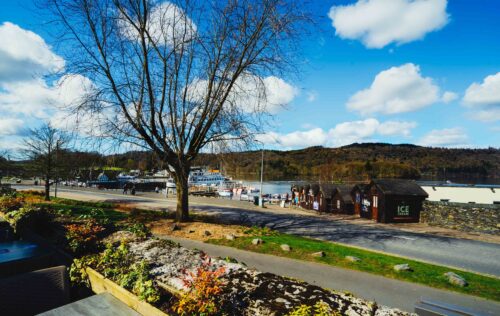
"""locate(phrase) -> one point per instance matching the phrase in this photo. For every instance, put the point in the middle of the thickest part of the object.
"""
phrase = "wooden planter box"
(100, 284)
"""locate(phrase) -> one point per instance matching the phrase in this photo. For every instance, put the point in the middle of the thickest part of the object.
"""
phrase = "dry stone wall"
(464, 217)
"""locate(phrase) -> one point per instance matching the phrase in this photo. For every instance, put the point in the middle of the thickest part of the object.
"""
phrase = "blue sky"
(397, 71)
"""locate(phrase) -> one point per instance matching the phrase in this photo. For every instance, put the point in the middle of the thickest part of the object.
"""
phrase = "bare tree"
(42, 147)
(177, 76)
(4, 163)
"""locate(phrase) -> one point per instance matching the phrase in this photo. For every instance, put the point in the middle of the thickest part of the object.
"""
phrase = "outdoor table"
(103, 304)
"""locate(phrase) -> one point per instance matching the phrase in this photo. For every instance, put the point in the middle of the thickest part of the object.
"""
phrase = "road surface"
(476, 256)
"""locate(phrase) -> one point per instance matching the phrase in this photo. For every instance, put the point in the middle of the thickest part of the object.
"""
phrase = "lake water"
(270, 187)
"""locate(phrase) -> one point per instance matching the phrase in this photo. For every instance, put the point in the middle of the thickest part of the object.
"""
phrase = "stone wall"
(464, 217)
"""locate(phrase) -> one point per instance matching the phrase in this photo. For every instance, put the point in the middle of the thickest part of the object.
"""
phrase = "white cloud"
(484, 99)
(448, 137)
(396, 90)
(10, 126)
(485, 93)
(24, 55)
(297, 139)
(252, 93)
(377, 23)
(34, 98)
(26, 97)
(449, 96)
(168, 25)
(394, 128)
(351, 132)
(486, 115)
(342, 134)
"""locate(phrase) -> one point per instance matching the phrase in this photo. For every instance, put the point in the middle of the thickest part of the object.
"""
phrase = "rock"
(191, 231)
(456, 279)
(207, 233)
(402, 267)
(257, 241)
(230, 237)
(352, 258)
(285, 247)
(318, 254)
(175, 227)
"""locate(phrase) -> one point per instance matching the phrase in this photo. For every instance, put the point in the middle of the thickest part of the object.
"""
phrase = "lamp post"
(261, 199)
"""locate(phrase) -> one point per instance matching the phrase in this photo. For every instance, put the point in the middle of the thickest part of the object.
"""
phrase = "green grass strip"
(371, 262)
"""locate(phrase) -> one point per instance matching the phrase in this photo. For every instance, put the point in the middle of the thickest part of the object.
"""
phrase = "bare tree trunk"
(47, 188)
(181, 184)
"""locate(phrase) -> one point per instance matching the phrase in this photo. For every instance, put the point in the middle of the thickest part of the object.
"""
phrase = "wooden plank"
(100, 284)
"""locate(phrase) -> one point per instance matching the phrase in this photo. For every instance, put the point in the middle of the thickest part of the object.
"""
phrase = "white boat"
(170, 183)
(202, 177)
(122, 177)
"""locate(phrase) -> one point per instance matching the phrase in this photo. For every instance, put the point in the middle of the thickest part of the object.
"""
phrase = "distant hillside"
(361, 161)
(353, 162)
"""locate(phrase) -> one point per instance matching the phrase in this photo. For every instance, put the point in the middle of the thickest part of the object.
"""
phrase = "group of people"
(129, 187)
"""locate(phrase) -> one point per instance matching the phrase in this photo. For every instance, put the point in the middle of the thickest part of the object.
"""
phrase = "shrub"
(117, 264)
(319, 309)
(204, 286)
(7, 190)
(139, 229)
(96, 214)
(35, 218)
(83, 237)
(11, 202)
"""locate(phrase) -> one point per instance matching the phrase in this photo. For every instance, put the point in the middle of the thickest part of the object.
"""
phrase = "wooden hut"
(313, 197)
(395, 200)
(359, 198)
(304, 196)
(325, 196)
(342, 200)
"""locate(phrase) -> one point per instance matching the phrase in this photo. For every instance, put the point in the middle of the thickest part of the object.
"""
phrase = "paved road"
(465, 254)
(385, 291)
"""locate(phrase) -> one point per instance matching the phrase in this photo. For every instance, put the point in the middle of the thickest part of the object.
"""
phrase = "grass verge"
(372, 262)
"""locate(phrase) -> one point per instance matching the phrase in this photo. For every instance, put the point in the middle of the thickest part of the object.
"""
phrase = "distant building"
(463, 194)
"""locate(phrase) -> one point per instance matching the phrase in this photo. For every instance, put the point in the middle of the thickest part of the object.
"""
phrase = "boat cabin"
(395, 200)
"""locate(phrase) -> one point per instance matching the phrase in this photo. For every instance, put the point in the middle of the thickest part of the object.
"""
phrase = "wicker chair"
(34, 292)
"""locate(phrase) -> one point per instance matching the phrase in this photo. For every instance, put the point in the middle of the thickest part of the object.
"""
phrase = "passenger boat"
(202, 177)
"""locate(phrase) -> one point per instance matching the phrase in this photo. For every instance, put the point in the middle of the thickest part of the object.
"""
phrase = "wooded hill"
(361, 161)
(353, 162)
